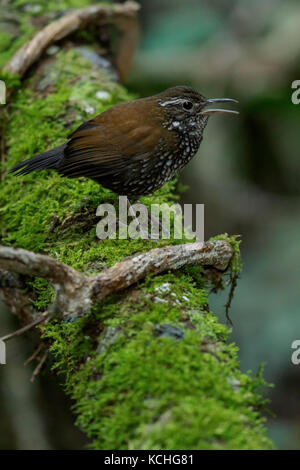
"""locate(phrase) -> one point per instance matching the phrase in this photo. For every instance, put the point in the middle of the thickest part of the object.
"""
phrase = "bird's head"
(186, 109)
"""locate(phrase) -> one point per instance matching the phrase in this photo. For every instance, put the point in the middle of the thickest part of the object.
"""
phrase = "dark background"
(247, 175)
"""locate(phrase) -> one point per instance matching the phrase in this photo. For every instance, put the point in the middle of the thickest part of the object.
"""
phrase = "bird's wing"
(112, 143)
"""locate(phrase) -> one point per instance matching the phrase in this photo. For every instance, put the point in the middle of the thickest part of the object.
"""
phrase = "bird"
(134, 148)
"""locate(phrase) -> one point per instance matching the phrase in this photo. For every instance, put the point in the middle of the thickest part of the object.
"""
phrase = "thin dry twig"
(35, 354)
(25, 328)
(38, 368)
(233, 284)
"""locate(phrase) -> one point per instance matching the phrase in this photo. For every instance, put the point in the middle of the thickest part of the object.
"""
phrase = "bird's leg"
(144, 233)
(160, 224)
(152, 218)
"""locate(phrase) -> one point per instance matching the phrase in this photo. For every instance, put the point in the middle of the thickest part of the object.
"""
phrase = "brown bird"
(136, 147)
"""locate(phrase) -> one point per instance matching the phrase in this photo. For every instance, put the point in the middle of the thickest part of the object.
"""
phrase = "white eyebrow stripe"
(172, 101)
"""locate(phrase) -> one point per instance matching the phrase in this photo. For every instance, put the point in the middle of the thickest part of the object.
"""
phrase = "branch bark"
(76, 292)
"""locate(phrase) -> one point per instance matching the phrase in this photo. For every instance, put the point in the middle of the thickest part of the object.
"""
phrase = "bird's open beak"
(207, 112)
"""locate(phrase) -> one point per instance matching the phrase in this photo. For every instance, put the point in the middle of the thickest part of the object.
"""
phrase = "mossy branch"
(120, 15)
(76, 293)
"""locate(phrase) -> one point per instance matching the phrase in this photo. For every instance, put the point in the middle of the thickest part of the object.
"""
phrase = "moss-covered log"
(148, 367)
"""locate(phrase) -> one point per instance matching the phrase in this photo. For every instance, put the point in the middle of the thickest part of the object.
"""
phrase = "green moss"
(52, 5)
(11, 81)
(11, 43)
(5, 41)
(235, 241)
(132, 387)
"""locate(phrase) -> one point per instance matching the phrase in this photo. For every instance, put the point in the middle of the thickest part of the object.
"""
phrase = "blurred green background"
(247, 174)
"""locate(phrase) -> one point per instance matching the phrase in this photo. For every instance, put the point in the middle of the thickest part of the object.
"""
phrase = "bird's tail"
(50, 159)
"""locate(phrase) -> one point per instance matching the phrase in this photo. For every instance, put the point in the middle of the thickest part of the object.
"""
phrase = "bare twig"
(25, 328)
(233, 284)
(38, 368)
(76, 292)
(35, 354)
(69, 23)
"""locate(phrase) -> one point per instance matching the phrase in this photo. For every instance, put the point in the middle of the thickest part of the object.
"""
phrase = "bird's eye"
(187, 105)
